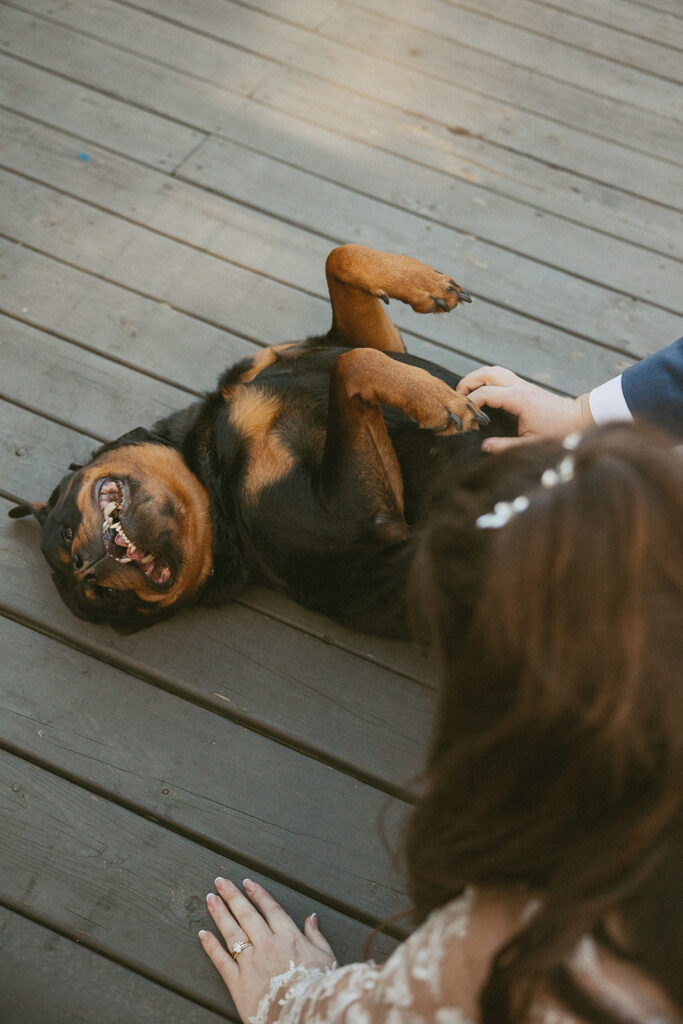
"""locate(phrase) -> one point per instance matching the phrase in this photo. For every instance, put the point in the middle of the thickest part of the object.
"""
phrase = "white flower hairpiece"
(503, 511)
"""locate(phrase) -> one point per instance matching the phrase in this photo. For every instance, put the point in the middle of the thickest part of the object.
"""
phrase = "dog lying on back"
(305, 469)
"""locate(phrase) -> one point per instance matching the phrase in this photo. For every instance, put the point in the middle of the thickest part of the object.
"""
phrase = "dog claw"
(481, 417)
(455, 419)
(442, 304)
(463, 294)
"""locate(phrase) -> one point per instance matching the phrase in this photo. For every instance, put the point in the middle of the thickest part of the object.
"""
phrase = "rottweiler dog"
(305, 469)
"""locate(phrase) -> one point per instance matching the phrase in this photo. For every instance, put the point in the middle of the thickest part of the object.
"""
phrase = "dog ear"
(29, 508)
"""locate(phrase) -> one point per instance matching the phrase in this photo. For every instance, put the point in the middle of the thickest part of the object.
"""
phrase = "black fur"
(335, 557)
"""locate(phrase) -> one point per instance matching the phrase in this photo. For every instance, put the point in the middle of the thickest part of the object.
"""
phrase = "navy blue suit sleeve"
(653, 388)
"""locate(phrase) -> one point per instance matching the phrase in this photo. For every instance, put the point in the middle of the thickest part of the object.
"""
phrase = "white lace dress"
(436, 975)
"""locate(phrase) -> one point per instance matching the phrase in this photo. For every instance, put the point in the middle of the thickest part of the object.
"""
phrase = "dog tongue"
(136, 555)
(159, 573)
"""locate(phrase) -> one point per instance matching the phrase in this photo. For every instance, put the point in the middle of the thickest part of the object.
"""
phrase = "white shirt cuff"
(607, 402)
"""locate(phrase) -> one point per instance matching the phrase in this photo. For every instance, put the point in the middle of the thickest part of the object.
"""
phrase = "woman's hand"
(540, 413)
(274, 942)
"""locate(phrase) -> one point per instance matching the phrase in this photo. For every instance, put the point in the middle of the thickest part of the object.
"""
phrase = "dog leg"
(359, 457)
(361, 279)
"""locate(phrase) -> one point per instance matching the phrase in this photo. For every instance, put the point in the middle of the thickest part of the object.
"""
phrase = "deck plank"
(173, 174)
(220, 290)
(519, 233)
(46, 978)
(547, 38)
(628, 106)
(471, 159)
(251, 668)
(66, 381)
(204, 105)
(335, 45)
(230, 168)
(306, 820)
(124, 885)
(465, 154)
(650, 20)
(42, 96)
(64, 229)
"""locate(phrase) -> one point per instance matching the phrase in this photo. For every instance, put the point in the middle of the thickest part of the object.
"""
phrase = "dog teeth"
(121, 538)
(122, 535)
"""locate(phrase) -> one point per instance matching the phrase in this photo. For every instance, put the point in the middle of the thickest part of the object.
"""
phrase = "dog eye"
(67, 534)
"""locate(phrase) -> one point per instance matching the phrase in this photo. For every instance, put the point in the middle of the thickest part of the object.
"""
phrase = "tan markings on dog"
(253, 414)
(161, 473)
(377, 379)
(359, 277)
(362, 428)
(265, 359)
(260, 362)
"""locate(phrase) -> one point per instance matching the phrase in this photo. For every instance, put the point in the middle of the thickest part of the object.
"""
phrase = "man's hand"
(540, 413)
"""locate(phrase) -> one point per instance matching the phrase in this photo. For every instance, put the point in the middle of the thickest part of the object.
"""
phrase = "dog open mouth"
(119, 545)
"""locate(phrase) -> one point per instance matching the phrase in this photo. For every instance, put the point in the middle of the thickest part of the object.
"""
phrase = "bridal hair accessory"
(503, 511)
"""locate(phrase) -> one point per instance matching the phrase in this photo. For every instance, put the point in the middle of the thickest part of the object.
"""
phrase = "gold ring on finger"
(238, 948)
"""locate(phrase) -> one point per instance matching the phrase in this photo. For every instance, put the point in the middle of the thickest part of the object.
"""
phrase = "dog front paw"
(429, 291)
(437, 407)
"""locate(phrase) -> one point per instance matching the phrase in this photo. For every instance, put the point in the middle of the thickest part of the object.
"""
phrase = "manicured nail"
(202, 934)
(314, 921)
(486, 446)
(211, 898)
(218, 882)
(248, 885)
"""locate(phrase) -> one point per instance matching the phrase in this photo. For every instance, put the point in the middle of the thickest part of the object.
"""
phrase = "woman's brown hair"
(557, 759)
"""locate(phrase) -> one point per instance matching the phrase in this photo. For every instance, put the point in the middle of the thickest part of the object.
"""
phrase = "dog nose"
(83, 565)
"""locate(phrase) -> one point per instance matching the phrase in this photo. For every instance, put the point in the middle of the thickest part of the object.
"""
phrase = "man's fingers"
(222, 961)
(499, 376)
(501, 444)
(511, 399)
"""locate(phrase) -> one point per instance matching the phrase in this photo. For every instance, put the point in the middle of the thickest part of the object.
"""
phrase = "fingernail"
(218, 882)
(211, 898)
(314, 920)
(248, 885)
(486, 446)
(202, 933)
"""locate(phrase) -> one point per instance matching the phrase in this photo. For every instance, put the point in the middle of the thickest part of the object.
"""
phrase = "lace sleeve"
(434, 976)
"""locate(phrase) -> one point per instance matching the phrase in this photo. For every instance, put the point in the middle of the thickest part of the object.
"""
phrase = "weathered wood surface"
(46, 977)
(172, 175)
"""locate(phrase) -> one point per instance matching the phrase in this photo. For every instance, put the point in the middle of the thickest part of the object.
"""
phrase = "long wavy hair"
(557, 759)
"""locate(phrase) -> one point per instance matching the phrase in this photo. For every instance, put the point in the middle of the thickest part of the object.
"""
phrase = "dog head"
(128, 536)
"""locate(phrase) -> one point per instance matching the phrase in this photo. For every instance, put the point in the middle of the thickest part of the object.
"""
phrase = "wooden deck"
(173, 174)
